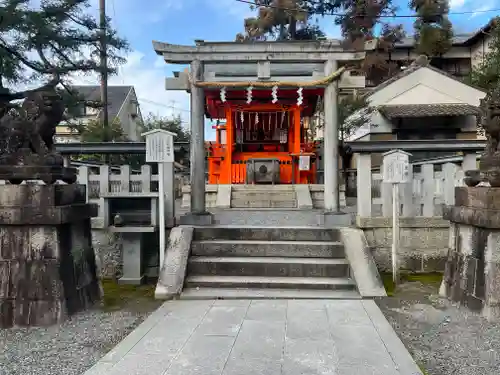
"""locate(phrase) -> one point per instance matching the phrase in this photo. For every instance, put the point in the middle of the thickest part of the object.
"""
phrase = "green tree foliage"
(50, 41)
(433, 29)
(174, 125)
(95, 131)
(486, 75)
(353, 112)
(362, 21)
(280, 20)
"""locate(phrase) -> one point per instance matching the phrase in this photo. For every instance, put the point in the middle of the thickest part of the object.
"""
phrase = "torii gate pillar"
(332, 216)
(198, 214)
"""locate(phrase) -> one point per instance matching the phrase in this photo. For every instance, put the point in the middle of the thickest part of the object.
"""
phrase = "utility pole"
(104, 69)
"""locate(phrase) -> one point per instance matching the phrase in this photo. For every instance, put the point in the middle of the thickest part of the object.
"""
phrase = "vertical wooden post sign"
(160, 149)
(396, 171)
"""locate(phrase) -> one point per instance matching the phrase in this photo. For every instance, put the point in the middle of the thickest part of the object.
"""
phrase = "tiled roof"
(116, 96)
(420, 62)
(458, 40)
(427, 110)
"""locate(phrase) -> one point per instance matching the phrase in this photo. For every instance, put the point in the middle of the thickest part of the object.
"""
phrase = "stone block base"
(47, 264)
(472, 272)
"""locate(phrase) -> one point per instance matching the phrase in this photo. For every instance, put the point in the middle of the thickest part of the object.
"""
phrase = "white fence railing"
(431, 187)
(106, 183)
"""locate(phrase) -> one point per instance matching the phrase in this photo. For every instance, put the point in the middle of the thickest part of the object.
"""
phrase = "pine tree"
(50, 42)
(362, 21)
(433, 29)
(280, 20)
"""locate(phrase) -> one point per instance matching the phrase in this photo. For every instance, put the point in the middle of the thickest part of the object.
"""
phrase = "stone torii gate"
(298, 61)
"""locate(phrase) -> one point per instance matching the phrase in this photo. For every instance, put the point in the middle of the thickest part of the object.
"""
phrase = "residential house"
(422, 102)
(123, 106)
(468, 50)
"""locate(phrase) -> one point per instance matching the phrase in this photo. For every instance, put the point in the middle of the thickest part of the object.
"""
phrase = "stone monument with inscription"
(472, 272)
(47, 264)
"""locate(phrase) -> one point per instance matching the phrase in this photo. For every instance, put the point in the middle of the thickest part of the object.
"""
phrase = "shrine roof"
(427, 110)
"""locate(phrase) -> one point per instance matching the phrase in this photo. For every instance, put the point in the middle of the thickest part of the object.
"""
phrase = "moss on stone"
(118, 296)
(431, 278)
(421, 367)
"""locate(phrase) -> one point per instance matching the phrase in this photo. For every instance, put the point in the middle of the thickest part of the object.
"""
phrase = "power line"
(367, 15)
(164, 105)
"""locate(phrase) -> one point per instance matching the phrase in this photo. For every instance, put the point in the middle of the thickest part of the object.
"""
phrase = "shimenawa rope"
(318, 82)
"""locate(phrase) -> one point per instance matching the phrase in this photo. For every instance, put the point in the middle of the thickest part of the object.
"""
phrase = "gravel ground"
(77, 344)
(444, 338)
(68, 349)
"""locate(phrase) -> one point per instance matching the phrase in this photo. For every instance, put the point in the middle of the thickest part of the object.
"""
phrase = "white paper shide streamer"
(274, 94)
(249, 94)
(300, 98)
(223, 94)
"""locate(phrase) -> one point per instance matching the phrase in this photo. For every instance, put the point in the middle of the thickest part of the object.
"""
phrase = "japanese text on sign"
(159, 148)
(396, 168)
(304, 162)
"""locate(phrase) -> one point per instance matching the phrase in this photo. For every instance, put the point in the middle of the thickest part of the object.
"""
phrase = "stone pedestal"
(472, 272)
(47, 264)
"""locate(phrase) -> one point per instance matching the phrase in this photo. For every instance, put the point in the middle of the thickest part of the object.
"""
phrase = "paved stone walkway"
(261, 337)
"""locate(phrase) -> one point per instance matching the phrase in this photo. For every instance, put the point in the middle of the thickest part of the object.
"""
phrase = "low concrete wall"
(423, 242)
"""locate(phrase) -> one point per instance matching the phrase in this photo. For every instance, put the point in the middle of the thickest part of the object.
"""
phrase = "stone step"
(267, 266)
(266, 188)
(258, 282)
(270, 193)
(268, 233)
(242, 248)
(250, 203)
(243, 293)
(263, 199)
(269, 217)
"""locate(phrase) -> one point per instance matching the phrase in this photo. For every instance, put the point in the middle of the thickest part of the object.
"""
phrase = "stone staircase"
(263, 196)
(257, 262)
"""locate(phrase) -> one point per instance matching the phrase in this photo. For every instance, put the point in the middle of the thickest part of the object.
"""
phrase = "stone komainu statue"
(27, 133)
(490, 121)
